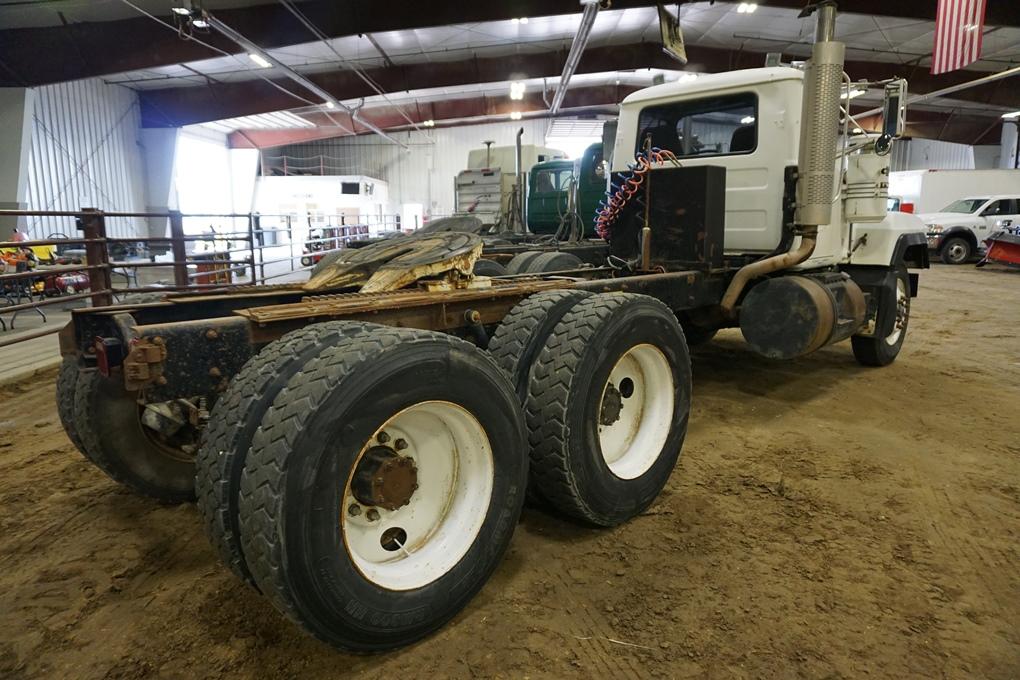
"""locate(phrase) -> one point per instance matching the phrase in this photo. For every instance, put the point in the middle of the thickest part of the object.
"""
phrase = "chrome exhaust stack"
(816, 161)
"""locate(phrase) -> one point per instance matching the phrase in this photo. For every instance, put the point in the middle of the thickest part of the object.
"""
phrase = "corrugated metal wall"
(930, 154)
(85, 154)
(425, 174)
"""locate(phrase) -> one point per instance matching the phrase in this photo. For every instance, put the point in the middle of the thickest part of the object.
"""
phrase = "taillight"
(109, 354)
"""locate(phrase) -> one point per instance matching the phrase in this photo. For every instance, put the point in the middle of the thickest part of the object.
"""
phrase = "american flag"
(958, 28)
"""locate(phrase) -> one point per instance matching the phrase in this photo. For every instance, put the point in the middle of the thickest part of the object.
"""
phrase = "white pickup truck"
(958, 231)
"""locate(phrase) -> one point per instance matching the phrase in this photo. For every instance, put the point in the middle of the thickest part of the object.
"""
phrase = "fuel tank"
(789, 316)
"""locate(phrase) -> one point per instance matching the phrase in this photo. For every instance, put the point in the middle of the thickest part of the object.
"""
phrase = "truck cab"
(959, 230)
(556, 185)
(749, 122)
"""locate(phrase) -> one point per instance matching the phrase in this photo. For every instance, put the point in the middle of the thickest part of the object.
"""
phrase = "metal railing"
(84, 269)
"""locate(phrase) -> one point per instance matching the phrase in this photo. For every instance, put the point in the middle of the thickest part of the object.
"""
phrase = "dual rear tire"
(377, 493)
(606, 383)
(352, 474)
(104, 422)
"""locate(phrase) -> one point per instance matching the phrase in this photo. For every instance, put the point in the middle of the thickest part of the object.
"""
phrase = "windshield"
(965, 205)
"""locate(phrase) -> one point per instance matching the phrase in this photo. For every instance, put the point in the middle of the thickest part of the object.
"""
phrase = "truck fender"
(912, 250)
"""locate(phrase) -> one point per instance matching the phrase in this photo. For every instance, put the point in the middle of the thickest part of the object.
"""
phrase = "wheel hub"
(612, 404)
(385, 479)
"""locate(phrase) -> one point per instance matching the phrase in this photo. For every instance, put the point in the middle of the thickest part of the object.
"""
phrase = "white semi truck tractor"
(803, 199)
(360, 445)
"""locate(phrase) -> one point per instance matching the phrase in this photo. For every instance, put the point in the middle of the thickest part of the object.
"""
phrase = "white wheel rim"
(453, 457)
(901, 313)
(632, 442)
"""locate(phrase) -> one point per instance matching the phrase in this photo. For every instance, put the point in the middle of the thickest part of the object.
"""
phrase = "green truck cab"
(550, 184)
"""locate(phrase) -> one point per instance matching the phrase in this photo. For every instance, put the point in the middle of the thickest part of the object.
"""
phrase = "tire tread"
(264, 478)
(224, 445)
(547, 406)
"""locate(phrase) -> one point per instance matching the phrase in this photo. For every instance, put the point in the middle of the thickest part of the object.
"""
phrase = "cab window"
(549, 181)
(1002, 207)
(964, 205)
(714, 126)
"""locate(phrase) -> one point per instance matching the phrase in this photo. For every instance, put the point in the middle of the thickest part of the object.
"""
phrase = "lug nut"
(372, 515)
(383, 437)
(400, 444)
(354, 510)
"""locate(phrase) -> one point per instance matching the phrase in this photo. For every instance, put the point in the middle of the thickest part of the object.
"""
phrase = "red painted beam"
(944, 126)
(173, 107)
(389, 118)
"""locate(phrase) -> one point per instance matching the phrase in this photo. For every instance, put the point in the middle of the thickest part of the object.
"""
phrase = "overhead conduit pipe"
(293, 75)
(591, 10)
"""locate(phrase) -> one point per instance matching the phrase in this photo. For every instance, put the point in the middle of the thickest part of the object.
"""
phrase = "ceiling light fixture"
(517, 89)
(519, 20)
(200, 23)
(747, 120)
(515, 115)
(330, 105)
(687, 77)
(260, 60)
(1014, 114)
(856, 92)
(747, 7)
(183, 11)
(429, 123)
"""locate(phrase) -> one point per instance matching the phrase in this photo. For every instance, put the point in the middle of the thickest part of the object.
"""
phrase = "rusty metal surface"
(144, 362)
(200, 357)
(394, 263)
(349, 304)
(384, 478)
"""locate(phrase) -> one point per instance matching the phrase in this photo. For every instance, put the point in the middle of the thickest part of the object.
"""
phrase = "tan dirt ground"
(826, 521)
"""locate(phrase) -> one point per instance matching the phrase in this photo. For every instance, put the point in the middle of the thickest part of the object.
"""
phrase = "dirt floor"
(826, 521)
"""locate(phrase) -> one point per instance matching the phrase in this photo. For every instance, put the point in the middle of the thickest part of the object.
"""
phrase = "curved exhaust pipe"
(819, 131)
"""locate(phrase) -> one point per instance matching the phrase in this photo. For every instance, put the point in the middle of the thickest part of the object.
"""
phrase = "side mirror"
(894, 109)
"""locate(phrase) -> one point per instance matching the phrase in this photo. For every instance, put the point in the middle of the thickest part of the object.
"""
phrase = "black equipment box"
(686, 211)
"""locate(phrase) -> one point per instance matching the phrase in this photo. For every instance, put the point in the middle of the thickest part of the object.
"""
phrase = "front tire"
(956, 250)
(607, 408)
(872, 351)
(372, 558)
